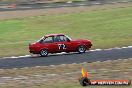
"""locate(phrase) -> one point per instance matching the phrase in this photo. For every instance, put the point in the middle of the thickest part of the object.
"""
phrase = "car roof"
(49, 35)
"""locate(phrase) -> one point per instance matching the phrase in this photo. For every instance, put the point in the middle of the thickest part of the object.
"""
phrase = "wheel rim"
(81, 49)
(43, 52)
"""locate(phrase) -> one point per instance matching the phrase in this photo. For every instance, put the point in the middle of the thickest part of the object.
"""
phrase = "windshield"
(46, 39)
(41, 39)
(68, 37)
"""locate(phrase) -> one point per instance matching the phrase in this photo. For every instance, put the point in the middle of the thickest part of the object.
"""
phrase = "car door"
(68, 43)
(63, 44)
(48, 43)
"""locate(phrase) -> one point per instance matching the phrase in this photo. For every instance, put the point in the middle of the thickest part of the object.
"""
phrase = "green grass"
(106, 28)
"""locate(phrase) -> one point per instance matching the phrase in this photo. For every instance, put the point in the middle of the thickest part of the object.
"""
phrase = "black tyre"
(81, 49)
(44, 53)
(85, 81)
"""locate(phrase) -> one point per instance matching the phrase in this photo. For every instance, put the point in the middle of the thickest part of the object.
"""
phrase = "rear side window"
(63, 38)
(60, 38)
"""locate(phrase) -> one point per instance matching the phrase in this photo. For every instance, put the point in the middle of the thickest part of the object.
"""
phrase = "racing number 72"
(62, 46)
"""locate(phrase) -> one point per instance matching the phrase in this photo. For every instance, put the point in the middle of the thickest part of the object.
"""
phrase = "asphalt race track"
(92, 56)
(30, 6)
(44, 6)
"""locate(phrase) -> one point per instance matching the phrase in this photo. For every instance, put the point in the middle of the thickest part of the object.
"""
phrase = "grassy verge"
(65, 76)
(106, 28)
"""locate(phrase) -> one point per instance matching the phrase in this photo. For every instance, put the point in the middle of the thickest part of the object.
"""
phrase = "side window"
(60, 38)
(48, 40)
(56, 39)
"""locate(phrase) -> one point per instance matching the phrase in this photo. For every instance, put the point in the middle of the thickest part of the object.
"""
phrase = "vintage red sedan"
(56, 43)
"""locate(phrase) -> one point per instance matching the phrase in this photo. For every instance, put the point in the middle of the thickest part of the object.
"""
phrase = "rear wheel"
(44, 53)
(81, 49)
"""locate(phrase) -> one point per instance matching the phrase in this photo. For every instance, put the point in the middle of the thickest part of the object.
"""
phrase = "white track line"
(96, 3)
(66, 53)
(129, 46)
(69, 2)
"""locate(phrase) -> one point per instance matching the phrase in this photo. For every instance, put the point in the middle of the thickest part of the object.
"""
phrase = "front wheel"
(44, 53)
(81, 49)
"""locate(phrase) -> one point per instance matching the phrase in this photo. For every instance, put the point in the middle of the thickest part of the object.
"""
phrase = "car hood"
(32, 44)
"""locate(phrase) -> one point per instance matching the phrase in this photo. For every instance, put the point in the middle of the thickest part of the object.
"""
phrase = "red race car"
(56, 43)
